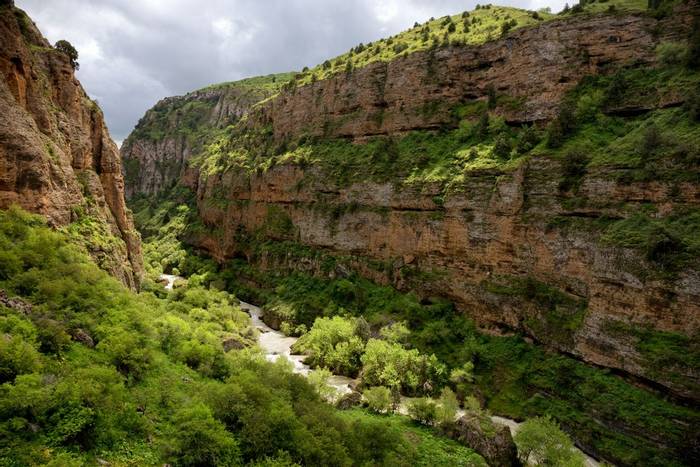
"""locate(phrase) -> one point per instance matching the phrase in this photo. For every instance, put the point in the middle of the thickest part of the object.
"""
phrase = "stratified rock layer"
(56, 155)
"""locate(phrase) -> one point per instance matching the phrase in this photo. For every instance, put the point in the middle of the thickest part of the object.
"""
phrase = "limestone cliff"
(56, 155)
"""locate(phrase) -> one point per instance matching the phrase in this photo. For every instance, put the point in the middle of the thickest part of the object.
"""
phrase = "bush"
(318, 379)
(573, 168)
(67, 48)
(199, 439)
(502, 146)
(562, 126)
(447, 407)
(389, 364)
(527, 139)
(378, 399)
(333, 343)
(542, 439)
(423, 410)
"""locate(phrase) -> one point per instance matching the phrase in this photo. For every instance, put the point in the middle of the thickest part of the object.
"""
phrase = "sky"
(135, 52)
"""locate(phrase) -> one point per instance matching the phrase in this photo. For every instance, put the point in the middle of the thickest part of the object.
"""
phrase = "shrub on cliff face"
(67, 48)
(562, 126)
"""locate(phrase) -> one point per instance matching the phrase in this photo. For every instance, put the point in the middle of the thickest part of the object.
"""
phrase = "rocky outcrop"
(156, 154)
(56, 155)
(497, 447)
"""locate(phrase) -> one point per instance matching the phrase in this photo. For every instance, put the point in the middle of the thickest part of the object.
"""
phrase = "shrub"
(67, 48)
(482, 127)
(692, 106)
(388, 364)
(378, 399)
(318, 379)
(396, 332)
(332, 343)
(199, 439)
(423, 410)
(542, 439)
(527, 139)
(502, 146)
(573, 168)
(562, 126)
(447, 407)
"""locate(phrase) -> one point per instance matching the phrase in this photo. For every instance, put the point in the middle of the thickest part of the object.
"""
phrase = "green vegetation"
(378, 399)
(333, 343)
(94, 373)
(542, 441)
(429, 449)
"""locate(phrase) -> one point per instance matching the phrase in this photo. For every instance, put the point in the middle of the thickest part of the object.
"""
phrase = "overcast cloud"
(135, 52)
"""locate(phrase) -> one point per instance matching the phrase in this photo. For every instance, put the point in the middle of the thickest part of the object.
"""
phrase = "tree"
(378, 399)
(319, 380)
(333, 343)
(67, 48)
(542, 440)
(482, 127)
(462, 378)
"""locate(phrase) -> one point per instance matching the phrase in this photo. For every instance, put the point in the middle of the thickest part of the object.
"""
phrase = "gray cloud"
(135, 52)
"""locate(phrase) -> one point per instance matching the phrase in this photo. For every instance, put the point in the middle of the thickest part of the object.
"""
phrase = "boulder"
(493, 443)
(349, 400)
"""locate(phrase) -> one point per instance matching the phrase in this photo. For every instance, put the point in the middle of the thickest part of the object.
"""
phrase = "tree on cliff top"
(68, 49)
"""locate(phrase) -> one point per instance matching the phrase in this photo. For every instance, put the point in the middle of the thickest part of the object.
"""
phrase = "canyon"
(498, 231)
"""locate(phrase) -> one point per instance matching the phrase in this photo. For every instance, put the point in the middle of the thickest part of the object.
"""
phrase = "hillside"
(56, 155)
(544, 180)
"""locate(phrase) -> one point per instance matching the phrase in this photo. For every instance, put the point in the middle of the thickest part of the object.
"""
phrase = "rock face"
(56, 155)
(495, 246)
(156, 154)
(483, 247)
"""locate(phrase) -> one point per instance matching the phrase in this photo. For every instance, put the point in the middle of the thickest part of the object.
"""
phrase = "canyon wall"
(511, 248)
(56, 156)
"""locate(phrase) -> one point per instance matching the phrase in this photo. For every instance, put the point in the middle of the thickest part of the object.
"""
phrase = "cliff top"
(484, 24)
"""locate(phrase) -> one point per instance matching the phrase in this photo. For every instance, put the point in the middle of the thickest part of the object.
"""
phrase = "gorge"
(499, 208)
